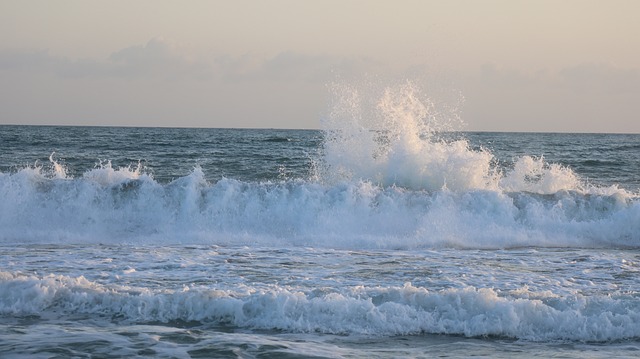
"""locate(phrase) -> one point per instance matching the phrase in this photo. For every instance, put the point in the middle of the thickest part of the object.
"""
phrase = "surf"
(391, 171)
(108, 205)
(361, 310)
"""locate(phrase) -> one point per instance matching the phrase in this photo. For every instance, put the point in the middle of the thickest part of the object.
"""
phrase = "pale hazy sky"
(561, 65)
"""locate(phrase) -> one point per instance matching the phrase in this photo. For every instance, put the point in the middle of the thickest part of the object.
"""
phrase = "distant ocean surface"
(395, 240)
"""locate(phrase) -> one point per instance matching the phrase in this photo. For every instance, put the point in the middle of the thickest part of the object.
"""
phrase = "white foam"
(116, 209)
(58, 170)
(387, 178)
(387, 311)
(397, 143)
(396, 138)
(105, 175)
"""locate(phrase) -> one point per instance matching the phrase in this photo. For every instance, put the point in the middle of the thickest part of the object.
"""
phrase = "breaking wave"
(390, 175)
(520, 314)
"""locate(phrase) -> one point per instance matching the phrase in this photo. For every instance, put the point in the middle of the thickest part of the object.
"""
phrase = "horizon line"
(306, 129)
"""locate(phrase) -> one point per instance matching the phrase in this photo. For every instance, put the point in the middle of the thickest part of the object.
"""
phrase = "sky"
(505, 65)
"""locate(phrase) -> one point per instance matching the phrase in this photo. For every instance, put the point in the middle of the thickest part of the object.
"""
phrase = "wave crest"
(470, 311)
(402, 138)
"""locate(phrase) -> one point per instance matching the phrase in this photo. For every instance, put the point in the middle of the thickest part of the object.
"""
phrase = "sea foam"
(377, 311)
(116, 207)
(402, 138)
(390, 175)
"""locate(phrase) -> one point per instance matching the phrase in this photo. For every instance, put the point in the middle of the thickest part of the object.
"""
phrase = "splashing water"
(401, 140)
(399, 144)
(390, 174)
(58, 170)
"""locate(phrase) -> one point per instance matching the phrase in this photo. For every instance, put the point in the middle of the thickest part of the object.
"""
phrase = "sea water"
(383, 235)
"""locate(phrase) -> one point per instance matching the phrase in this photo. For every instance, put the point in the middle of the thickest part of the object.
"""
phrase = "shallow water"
(182, 301)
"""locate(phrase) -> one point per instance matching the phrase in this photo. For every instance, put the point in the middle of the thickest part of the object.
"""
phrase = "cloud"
(21, 60)
(286, 66)
(578, 98)
(290, 65)
(162, 59)
(293, 67)
(157, 58)
(582, 78)
(601, 78)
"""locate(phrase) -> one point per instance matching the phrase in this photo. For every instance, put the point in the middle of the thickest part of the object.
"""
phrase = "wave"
(521, 313)
(402, 138)
(390, 175)
(109, 205)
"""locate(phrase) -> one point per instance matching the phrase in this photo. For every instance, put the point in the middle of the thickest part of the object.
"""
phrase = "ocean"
(384, 239)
